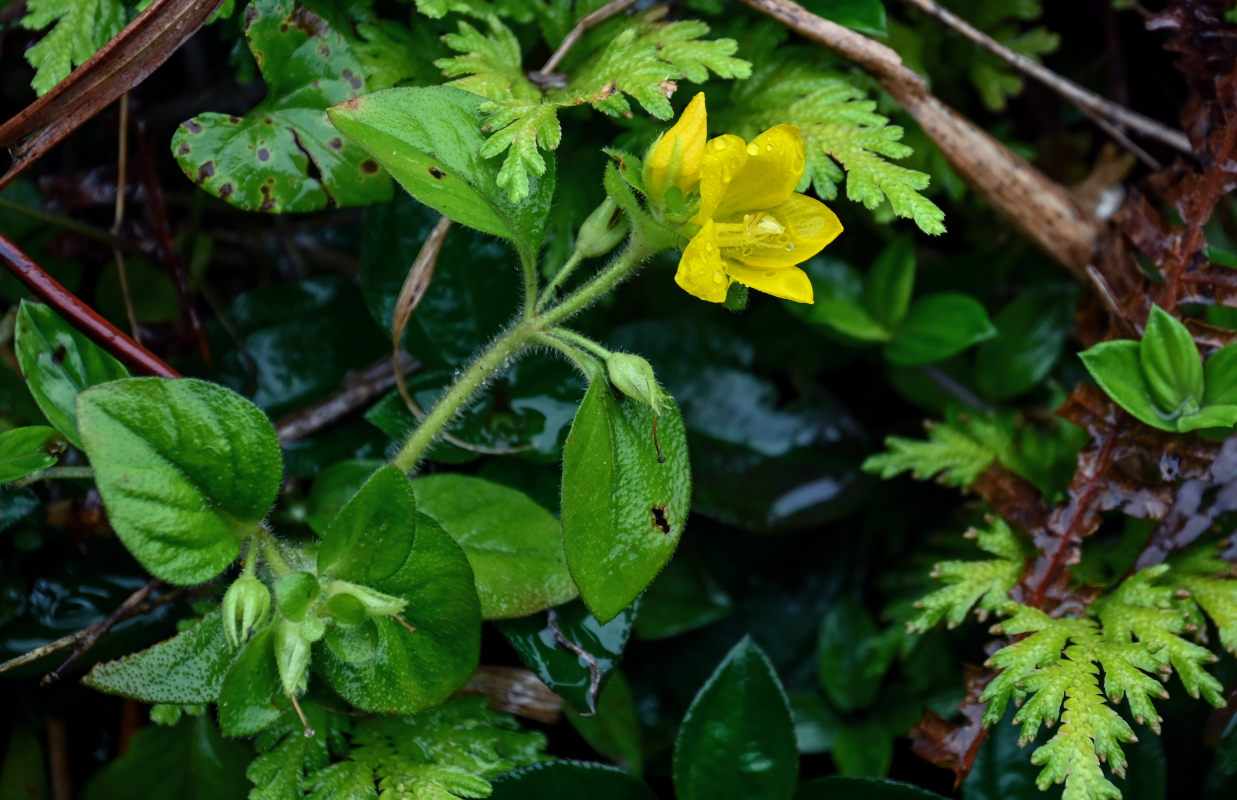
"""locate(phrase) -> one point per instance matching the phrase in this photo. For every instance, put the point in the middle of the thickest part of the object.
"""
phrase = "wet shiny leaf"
(284, 155)
(29, 449)
(569, 780)
(738, 739)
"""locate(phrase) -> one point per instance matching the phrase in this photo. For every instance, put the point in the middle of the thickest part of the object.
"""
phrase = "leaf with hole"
(623, 506)
(429, 139)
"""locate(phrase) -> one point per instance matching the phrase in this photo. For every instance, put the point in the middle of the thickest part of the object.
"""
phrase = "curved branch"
(80, 315)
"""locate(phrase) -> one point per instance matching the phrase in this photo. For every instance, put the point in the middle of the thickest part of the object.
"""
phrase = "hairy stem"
(531, 327)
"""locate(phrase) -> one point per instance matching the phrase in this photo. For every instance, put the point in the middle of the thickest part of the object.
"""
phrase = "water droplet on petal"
(753, 149)
(770, 274)
(768, 147)
(719, 144)
(717, 277)
(790, 245)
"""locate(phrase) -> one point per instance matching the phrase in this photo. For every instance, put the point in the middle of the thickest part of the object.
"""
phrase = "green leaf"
(681, 599)
(79, 29)
(865, 16)
(514, 546)
(412, 669)
(333, 487)
(187, 762)
(569, 780)
(284, 156)
(936, 327)
(887, 291)
(29, 449)
(371, 536)
(1171, 364)
(567, 673)
(186, 468)
(188, 668)
(843, 135)
(1116, 368)
(1220, 377)
(59, 363)
(246, 698)
(852, 656)
(863, 749)
(623, 508)
(862, 789)
(429, 139)
(840, 303)
(1030, 333)
(737, 739)
(1208, 417)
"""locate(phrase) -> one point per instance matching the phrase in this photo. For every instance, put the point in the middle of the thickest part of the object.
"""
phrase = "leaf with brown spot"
(284, 155)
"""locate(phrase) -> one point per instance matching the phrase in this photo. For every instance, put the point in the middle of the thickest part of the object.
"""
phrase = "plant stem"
(460, 392)
(580, 340)
(68, 224)
(589, 293)
(529, 266)
(581, 360)
(534, 325)
(55, 473)
(572, 262)
(271, 552)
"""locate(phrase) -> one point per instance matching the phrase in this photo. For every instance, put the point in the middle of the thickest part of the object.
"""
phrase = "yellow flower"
(753, 227)
(675, 158)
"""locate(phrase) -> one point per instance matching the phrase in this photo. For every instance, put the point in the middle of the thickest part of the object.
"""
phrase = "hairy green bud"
(376, 603)
(246, 606)
(292, 656)
(633, 376)
(602, 231)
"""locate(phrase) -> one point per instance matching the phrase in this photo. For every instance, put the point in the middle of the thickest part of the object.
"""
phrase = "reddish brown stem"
(80, 315)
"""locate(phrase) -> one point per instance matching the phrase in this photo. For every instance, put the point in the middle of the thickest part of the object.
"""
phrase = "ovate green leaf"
(59, 363)
(430, 138)
(1171, 364)
(738, 739)
(514, 546)
(1115, 367)
(186, 469)
(623, 508)
(936, 327)
(188, 668)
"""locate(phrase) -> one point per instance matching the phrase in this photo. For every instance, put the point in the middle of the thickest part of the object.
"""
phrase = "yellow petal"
(789, 283)
(700, 269)
(769, 175)
(724, 157)
(686, 138)
(787, 234)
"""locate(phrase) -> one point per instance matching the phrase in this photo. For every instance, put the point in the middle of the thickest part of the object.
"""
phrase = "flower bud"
(633, 376)
(245, 607)
(602, 231)
(675, 158)
(375, 602)
(291, 656)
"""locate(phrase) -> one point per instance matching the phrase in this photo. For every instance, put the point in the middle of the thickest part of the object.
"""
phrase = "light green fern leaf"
(982, 585)
(489, 64)
(1017, 662)
(1210, 582)
(81, 27)
(956, 456)
(643, 61)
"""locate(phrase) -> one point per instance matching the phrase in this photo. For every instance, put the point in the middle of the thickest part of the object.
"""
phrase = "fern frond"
(956, 456)
(642, 61)
(1210, 582)
(982, 585)
(79, 29)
